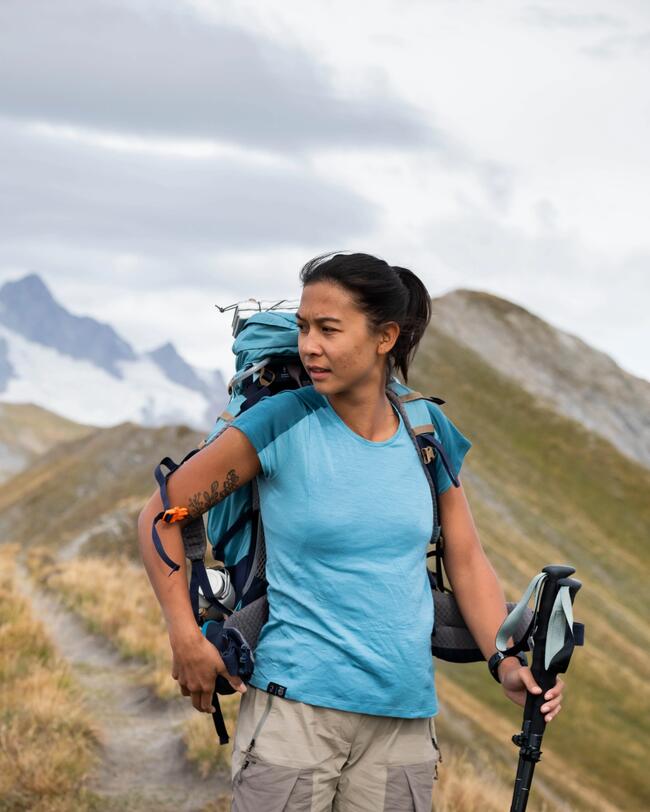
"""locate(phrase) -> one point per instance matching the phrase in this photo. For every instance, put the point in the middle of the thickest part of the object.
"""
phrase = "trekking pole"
(552, 636)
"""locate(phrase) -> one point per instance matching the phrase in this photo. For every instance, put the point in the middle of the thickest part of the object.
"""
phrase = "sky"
(158, 157)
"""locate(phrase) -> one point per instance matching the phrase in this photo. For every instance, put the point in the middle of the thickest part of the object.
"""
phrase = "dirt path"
(141, 760)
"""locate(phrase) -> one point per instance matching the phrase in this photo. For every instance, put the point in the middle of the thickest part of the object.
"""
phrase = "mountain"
(95, 486)
(83, 370)
(27, 432)
(28, 308)
(567, 374)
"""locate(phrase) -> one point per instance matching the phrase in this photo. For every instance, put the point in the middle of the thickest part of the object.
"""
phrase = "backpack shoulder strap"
(420, 423)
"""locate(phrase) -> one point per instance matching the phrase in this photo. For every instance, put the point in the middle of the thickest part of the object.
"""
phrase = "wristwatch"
(495, 659)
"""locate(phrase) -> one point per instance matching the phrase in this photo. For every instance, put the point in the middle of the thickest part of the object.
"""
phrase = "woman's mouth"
(317, 373)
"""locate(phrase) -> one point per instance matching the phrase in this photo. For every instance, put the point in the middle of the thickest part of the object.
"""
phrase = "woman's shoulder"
(304, 398)
(287, 408)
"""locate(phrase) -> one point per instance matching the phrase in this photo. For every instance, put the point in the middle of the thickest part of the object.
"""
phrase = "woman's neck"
(368, 413)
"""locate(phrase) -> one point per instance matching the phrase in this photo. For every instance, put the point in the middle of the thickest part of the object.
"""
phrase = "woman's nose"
(308, 346)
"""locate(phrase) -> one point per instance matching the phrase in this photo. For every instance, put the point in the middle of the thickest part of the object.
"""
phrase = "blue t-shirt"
(346, 522)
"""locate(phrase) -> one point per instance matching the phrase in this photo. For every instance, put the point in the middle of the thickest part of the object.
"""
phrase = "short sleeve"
(454, 442)
(267, 425)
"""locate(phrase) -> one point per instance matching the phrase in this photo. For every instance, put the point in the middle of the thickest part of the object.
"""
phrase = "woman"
(339, 711)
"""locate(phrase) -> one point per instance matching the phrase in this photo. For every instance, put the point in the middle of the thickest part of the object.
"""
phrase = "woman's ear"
(388, 335)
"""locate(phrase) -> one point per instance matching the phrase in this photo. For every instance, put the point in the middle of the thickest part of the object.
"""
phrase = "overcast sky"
(159, 157)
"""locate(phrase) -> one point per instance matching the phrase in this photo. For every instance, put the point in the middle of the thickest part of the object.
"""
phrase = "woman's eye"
(324, 329)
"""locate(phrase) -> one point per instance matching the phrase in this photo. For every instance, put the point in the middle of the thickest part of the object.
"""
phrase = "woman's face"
(334, 334)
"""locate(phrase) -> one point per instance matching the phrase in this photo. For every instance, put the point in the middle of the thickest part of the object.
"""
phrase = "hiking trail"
(141, 762)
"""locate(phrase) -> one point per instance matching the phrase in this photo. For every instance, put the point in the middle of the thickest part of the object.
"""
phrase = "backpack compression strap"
(167, 514)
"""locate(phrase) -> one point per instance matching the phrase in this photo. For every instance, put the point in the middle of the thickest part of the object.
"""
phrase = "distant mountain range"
(81, 369)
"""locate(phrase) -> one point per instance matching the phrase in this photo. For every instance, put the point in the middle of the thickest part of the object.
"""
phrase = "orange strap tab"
(175, 514)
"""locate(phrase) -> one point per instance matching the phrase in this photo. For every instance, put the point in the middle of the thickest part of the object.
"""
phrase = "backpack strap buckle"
(428, 454)
(175, 514)
(263, 376)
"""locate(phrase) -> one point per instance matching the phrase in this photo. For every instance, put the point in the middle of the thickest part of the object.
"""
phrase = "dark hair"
(384, 293)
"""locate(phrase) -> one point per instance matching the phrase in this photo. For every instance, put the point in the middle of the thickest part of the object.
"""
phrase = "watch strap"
(498, 656)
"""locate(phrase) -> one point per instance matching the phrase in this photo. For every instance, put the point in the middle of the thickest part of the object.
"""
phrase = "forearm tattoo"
(204, 500)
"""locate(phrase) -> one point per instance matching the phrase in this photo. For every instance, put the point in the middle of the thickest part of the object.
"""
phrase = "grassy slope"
(543, 490)
(27, 431)
(97, 483)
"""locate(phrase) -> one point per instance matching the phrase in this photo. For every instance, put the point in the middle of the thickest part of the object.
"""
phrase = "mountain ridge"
(572, 377)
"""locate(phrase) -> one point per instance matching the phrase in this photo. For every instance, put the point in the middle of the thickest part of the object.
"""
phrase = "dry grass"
(93, 588)
(203, 748)
(47, 741)
(465, 786)
(115, 600)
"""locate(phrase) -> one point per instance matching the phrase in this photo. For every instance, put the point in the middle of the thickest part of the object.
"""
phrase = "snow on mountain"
(87, 373)
(176, 368)
(6, 370)
(28, 308)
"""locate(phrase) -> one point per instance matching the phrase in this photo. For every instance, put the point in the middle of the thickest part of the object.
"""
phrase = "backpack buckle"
(263, 379)
(428, 454)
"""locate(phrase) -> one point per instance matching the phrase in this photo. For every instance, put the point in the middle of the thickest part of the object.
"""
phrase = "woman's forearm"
(170, 589)
(479, 596)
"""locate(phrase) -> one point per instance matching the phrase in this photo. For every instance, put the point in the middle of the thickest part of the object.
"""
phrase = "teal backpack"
(267, 362)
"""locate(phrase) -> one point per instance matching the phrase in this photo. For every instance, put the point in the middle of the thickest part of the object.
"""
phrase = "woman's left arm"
(481, 600)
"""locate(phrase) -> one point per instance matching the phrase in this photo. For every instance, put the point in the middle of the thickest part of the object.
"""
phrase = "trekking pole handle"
(573, 583)
(557, 571)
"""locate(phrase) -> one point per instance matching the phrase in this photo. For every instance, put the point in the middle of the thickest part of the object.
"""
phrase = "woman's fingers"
(553, 704)
(236, 683)
(526, 676)
(556, 690)
(518, 681)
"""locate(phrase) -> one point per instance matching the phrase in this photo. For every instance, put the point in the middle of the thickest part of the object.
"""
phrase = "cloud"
(618, 45)
(551, 272)
(553, 18)
(614, 35)
(59, 192)
(160, 70)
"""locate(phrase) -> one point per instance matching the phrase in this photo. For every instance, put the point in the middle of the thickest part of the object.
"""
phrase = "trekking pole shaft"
(523, 781)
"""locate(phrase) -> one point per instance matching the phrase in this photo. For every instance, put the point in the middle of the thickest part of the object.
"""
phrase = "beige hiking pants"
(292, 757)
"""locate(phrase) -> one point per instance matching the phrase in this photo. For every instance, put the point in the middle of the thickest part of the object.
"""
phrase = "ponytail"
(416, 321)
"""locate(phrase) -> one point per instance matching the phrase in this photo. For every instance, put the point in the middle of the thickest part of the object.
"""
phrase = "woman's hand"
(518, 680)
(196, 665)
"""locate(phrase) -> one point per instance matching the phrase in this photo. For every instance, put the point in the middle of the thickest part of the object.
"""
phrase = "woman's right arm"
(208, 477)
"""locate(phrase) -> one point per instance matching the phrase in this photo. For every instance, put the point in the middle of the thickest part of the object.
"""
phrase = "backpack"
(267, 362)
